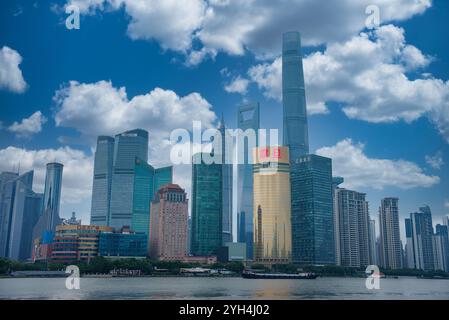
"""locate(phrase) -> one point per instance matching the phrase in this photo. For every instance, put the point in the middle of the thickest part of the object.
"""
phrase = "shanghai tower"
(295, 130)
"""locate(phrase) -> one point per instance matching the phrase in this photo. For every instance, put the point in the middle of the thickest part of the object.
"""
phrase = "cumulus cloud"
(233, 26)
(350, 161)
(237, 85)
(99, 108)
(436, 161)
(368, 76)
(11, 77)
(77, 174)
(29, 126)
(169, 22)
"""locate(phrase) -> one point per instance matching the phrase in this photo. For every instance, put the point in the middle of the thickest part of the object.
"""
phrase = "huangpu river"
(222, 288)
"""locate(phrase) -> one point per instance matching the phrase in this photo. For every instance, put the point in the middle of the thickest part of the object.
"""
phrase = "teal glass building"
(207, 215)
(112, 244)
(295, 128)
(312, 211)
(147, 181)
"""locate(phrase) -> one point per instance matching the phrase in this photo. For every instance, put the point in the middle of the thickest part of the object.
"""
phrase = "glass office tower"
(102, 182)
(272, 213)
(46, 226)
(127, 147)
(295, 129)
(147, 181)
(312, 216)
(422, 235)
(248, 118)
(207, 219)
(22, 210)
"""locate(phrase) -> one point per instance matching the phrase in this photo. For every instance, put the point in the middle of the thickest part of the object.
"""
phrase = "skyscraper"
(352, 217)
(272, 213)
(422, 234)
(22, 209)
(372, 242)
(409, 254)
(102, 182)
(390, 239)
(46, 226)
(248, 118)
(441, 248)
(147, 181)
(207, 208)
(312, 214)
(295, 130)
(226, 152)
(127, 147)
(169, 223)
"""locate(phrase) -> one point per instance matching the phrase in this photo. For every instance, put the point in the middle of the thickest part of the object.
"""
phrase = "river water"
(222, 288)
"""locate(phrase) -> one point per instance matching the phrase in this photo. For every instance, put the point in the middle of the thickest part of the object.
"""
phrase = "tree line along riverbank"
(147, 267)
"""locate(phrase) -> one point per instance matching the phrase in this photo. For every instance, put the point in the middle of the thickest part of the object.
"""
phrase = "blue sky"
(378, 98)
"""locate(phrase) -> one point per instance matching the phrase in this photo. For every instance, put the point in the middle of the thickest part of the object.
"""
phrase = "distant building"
(226, 157)
(122, 244)
(168, 226)
(409, 254)
(46, 225)
(73, 221)
(76, 243)
(272, 213)
(372, 243)
(390, 238)
(248, 119)
(20, 209)
(207, 209)
(312, 211)
(352, 217)
(441, 248)
(422, 234)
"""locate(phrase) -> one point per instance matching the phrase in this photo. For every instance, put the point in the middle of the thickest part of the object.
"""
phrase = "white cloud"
(368, 76)
(77, 173)
(169, 22)
(99, 108)
(237, 85)
(11, 77)
(29, 126)
(350, 162)
(436, 161)
(232, 26)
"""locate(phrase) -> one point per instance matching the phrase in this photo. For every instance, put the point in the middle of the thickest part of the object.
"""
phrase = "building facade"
(390, 238)
(441, 248)
(20, 209)
(207, 208)
(272, 213)
(352, 217)
(102, 181)
(45, 228)
(422, 236)
(248, 119)
(122, 244)
(169, 224)
(76, 243)
(312, 211)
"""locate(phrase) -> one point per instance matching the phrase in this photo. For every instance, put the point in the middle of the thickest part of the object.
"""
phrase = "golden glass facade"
(271, 209)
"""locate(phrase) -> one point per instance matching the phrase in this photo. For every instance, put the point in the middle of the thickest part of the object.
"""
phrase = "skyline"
(330, 132)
